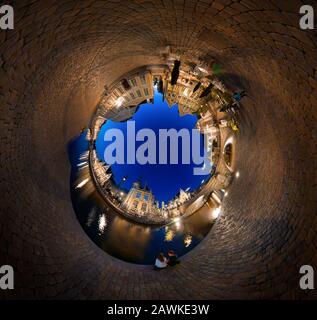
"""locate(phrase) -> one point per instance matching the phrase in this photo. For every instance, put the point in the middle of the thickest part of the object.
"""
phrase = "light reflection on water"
(124, 239)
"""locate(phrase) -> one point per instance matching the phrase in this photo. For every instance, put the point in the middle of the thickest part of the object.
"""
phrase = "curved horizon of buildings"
(196, 91)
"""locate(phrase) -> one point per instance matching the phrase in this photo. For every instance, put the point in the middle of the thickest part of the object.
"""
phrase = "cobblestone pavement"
(54, 65)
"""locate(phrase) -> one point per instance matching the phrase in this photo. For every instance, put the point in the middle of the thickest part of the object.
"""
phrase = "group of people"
(163, 262)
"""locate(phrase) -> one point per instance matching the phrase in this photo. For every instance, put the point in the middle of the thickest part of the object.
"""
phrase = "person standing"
(175, 72)
(237, 96)
(206, 91)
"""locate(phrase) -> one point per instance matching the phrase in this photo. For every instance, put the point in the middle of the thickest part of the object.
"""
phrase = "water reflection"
(91, 217)
(102, 223)
(120, 237)
(188, 240)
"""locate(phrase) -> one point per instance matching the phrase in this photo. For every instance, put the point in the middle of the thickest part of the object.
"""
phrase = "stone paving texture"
(53, 67)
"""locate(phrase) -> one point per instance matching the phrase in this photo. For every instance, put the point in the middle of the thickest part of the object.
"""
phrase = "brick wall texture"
(53, 67)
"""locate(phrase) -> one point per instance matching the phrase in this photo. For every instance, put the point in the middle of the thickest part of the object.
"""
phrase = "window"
(143, 80)
(186, 92)
(146, 197)
(135, 204)
(138, 195)
(133, 82)
(144, 207)
(146, 91)
(132, 95)
(138, 93)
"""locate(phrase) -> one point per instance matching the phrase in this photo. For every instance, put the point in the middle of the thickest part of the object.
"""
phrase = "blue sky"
(164, 180)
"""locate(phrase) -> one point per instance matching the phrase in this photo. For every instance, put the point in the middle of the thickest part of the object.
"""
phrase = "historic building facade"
(139, 200)
(100, 169)
(121, 102)
(183, 93)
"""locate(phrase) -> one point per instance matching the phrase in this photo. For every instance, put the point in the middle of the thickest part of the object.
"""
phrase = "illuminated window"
(132, 95)
(144, 206)
(138, 93)
(133, 82)
(143, 80)
(135, 204)
(146, 91)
